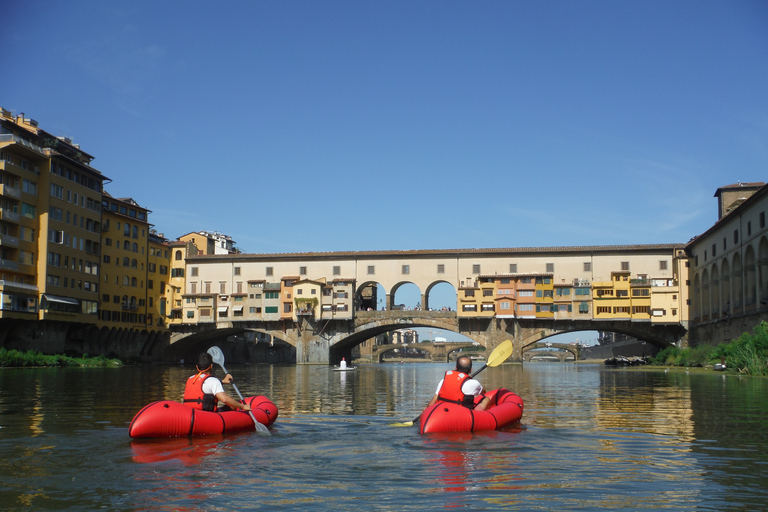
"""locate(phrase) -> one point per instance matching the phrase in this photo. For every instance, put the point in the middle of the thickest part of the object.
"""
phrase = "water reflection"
(189, 451)
(591, 438)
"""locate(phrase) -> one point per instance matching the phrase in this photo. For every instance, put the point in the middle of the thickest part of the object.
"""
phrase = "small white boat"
(345, 369)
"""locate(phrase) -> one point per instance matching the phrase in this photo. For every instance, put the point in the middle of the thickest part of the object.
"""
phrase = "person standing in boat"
(343, 364)
(459, 387)
(203, 391)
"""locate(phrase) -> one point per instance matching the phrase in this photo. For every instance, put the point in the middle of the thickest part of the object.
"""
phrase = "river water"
(591, 438)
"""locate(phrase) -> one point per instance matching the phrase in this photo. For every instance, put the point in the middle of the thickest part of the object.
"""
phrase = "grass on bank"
(747, 354)
(17, 358)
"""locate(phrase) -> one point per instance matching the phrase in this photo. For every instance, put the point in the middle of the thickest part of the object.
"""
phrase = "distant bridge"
(326, 343)
(439, 352)
(559, 350)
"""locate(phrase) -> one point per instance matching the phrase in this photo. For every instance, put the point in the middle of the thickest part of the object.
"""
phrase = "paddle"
(218, 358)
(498, 356)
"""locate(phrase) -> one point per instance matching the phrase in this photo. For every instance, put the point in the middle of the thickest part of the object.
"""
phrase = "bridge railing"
(403, 313)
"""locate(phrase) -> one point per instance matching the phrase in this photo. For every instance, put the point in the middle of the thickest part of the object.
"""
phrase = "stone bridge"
(324, 342)
(438, 352)
(559, 350)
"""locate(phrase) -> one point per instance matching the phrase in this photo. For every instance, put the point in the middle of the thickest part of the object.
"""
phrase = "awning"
(237, 309)
(61, 300)
(223, 309)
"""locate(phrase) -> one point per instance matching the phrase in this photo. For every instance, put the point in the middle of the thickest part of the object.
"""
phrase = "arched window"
(127, 231)
(126, 262)
(126, 281)
(127, 245)
(135, 247)
(135, 231)
(134, 264)
(178, 255)
(134, 282)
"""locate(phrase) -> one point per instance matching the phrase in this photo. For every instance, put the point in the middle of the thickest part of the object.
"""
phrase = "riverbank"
(31, 358)
(747, 354)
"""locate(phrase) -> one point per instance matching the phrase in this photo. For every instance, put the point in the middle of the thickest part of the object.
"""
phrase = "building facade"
(729, 266)
(51, 225)
(74, 260)
(210, 242)
(134, 269)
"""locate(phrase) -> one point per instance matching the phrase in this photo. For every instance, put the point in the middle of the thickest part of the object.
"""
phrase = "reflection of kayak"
(347, 369)
(167, 418)
(188, 450)
(506, 408)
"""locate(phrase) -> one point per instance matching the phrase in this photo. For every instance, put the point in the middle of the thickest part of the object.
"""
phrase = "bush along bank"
(747, 354)
(17, 358)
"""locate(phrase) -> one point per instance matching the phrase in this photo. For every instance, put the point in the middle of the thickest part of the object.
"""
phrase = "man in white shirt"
(203, 391)
(457, 386)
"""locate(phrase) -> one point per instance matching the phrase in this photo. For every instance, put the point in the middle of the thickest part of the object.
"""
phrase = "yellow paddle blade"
(403, 424)
(500, 353)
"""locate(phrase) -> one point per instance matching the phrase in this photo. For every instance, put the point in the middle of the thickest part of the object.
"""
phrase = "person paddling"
(203, 391)
(459, 387)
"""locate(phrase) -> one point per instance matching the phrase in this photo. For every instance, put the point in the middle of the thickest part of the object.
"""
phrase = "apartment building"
(158, 265)
(182, 305)
(50, 224)
(210, 242)
(134, 269)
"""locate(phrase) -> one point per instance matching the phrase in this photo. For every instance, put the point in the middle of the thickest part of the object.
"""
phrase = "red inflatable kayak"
(505, 409)
(167, 418)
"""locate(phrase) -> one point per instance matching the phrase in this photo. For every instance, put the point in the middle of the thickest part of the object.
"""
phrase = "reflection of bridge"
(318, 343)
(438, 352)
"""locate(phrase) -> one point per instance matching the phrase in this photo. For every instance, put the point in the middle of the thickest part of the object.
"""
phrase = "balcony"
(13, 285)
(8, 191)
(8, 215)
(8, 265)
(9, 241)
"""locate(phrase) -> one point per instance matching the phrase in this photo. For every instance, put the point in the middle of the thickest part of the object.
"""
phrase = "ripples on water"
(591, 438)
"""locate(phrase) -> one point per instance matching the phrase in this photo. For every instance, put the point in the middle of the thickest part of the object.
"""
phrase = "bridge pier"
(312, 350)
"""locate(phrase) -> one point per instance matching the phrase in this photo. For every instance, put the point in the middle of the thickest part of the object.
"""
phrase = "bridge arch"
(573, 349)
(258, 345)
(429, 303)
(370, 295)
(377, 323)
(438, 352)
(405, 287)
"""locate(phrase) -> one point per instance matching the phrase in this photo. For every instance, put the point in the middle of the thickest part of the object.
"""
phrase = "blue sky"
(348, 125)
(322, 126)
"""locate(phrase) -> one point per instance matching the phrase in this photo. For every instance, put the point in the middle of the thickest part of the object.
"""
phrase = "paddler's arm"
(433, 400)
(231, 402)
(483, 405)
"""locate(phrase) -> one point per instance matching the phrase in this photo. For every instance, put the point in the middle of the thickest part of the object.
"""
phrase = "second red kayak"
(506, 408)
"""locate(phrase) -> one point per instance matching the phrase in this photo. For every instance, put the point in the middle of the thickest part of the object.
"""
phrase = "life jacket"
(451, 391)
(194, 396)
